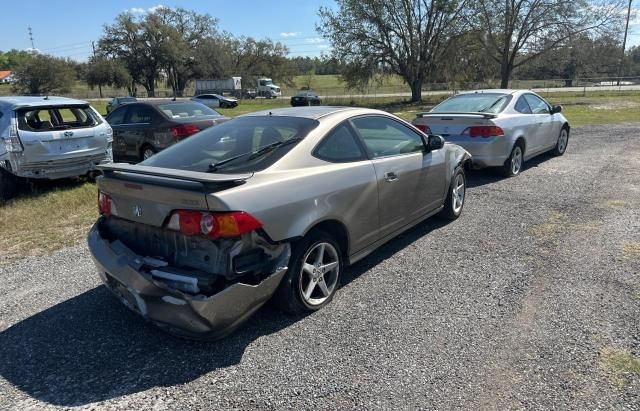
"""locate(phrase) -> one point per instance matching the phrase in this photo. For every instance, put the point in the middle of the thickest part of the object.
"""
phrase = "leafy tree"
(106, 72)
(13, 58)
(405, 37)
(247, 57)
(43, 74)
(514, 32)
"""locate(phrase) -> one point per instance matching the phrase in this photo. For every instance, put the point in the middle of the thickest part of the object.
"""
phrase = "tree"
(514, 32)
(42, 74)
(106, 72)
(246, 57)
(13, 58)
(161, 42)
(405, 37)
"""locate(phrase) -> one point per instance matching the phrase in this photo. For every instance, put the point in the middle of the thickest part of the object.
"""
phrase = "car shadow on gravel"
(478, 178)
(90, 348)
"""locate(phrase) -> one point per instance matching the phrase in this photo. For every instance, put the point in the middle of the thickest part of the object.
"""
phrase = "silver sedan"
(500, 128)
(275, 203)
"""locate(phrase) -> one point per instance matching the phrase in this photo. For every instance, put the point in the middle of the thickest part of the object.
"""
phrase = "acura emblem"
(68, 133)
(137, 211)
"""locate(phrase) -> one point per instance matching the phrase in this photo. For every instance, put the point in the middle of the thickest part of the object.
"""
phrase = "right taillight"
(423, 127)
(105, 204)
(183, 131)
(483, 131)
(213, 225)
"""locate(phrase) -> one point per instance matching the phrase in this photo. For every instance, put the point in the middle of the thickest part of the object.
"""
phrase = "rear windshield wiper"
(252, 154)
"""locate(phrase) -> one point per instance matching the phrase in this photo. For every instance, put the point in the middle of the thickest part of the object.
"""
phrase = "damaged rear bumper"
(193, 316)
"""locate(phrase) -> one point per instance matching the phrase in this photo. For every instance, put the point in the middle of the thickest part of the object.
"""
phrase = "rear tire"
(8, 185)
(313, 275)
(514, 163)
(563, 142)
(146, 152)
(454, 203)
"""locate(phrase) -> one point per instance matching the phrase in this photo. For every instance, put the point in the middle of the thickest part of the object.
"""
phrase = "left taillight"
(106, 207)
(213, 225)
(183, 131)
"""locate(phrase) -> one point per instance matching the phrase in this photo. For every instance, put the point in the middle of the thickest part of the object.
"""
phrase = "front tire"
(313, 275)
(454, 203)
(563, 142)
(513, 165)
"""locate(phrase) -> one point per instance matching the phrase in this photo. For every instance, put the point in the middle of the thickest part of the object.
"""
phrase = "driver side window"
(386, 137)
(538, 106)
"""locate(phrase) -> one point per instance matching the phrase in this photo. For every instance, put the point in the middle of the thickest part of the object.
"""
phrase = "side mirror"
(556, 109)
(434, 142)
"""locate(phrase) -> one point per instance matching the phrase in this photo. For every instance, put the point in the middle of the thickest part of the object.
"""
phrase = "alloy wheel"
(458, 193)
(516, 160)
(562, 141)
(147, 153)
(319, 276)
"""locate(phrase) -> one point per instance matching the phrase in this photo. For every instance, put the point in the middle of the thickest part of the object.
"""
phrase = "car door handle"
(390, 176)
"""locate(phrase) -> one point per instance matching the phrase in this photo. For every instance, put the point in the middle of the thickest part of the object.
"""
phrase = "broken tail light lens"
(423, 127)
(183, 131)
(105, 204)
(483, 131)
(12, 142)
(213, 225)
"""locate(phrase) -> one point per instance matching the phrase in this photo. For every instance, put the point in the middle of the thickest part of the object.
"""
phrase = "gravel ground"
(518, 304)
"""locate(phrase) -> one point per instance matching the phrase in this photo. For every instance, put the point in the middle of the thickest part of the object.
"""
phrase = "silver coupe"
(270, 204)
(500, 128)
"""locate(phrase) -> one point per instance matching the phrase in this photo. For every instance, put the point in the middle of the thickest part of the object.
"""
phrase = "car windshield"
(473, 103)
(186, 110)
(306, 94)
(244, 144)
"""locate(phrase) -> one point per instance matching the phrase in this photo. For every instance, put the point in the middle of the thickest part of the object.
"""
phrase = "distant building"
(6, 76)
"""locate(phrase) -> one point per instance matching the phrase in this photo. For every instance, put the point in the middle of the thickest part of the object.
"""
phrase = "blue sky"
(66, 28)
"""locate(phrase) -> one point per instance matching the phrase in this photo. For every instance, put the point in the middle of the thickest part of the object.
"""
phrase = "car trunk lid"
(148, 195)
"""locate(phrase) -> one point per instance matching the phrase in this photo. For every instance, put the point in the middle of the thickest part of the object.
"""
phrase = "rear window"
(127, 99)
(56, 118)
(241, 139)
(473, 103)
(186, 110)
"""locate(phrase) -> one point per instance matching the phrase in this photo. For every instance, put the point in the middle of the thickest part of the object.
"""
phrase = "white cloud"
(290, 34)
(315, 40)
(141, 10)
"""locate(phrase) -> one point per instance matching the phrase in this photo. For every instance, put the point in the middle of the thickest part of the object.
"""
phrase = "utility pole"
(31, 38)
(624, 42)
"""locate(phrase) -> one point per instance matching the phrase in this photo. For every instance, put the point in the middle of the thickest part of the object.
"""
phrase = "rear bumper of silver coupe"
(192, 316)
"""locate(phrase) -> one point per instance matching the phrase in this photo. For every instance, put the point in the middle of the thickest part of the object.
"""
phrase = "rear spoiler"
(474, 113)
(173, 173)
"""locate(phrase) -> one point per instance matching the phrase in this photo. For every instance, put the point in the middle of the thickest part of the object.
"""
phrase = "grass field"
(49, 216)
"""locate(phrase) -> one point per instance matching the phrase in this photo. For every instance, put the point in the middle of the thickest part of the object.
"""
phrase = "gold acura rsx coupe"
(268, 205)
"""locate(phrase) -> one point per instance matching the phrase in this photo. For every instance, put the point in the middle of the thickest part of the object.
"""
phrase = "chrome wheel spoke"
(308, 268)
(328, 267)
(309, 290)
(320, 254)
(323, 287)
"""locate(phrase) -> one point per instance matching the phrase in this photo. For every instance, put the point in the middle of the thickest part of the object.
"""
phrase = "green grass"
(52, 216)
(621, 364)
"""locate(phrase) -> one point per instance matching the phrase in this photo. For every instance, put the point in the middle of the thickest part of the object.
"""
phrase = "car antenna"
(270, 113)
(46, 97)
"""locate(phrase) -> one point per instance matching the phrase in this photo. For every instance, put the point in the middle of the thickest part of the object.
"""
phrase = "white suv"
(49, 138)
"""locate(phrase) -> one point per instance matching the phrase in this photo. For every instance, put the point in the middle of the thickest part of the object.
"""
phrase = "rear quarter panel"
(289, 203)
